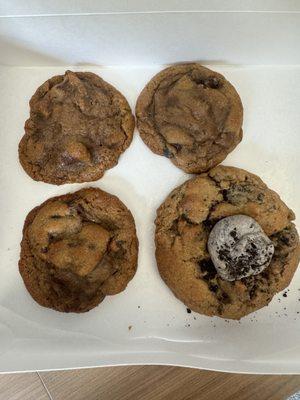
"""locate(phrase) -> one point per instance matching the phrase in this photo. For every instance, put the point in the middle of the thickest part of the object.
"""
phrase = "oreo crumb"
(188, 310)
(167, 153)
(260, 197)
(177, 146)
(208, 269)
(209, 223)
(284, 294)
(233, 234)
(213, 288)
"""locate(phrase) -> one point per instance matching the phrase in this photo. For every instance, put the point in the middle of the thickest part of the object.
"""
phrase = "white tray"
(32, 337)
(33, 48)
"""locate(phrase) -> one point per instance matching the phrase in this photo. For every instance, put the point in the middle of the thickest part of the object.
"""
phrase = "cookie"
(184, 223)
(77, 249)
(190, 114)
(79, 126)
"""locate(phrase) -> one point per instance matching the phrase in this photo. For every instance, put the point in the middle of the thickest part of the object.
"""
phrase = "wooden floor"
(145, 383)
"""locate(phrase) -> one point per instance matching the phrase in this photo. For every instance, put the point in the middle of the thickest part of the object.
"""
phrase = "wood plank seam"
(44, 385)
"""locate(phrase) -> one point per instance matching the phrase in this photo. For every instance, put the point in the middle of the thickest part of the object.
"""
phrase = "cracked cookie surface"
(190, 114)
(79, 126)
(78, 248)
(184, 222)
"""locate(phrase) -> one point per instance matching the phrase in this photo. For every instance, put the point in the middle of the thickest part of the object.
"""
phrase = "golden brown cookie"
(79, 126)
(184, 222)
(77, 249)
(191, 115)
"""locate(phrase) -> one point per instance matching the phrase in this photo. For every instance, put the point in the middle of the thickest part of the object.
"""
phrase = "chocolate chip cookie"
(191, 115)
(184, 223)
(77, 249)
(79, 126)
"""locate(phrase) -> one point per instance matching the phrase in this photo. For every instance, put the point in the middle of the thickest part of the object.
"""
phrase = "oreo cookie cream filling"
(239, 247)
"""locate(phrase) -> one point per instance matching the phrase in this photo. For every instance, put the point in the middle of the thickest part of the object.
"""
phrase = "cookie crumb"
(188, 310)
(129, 327)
